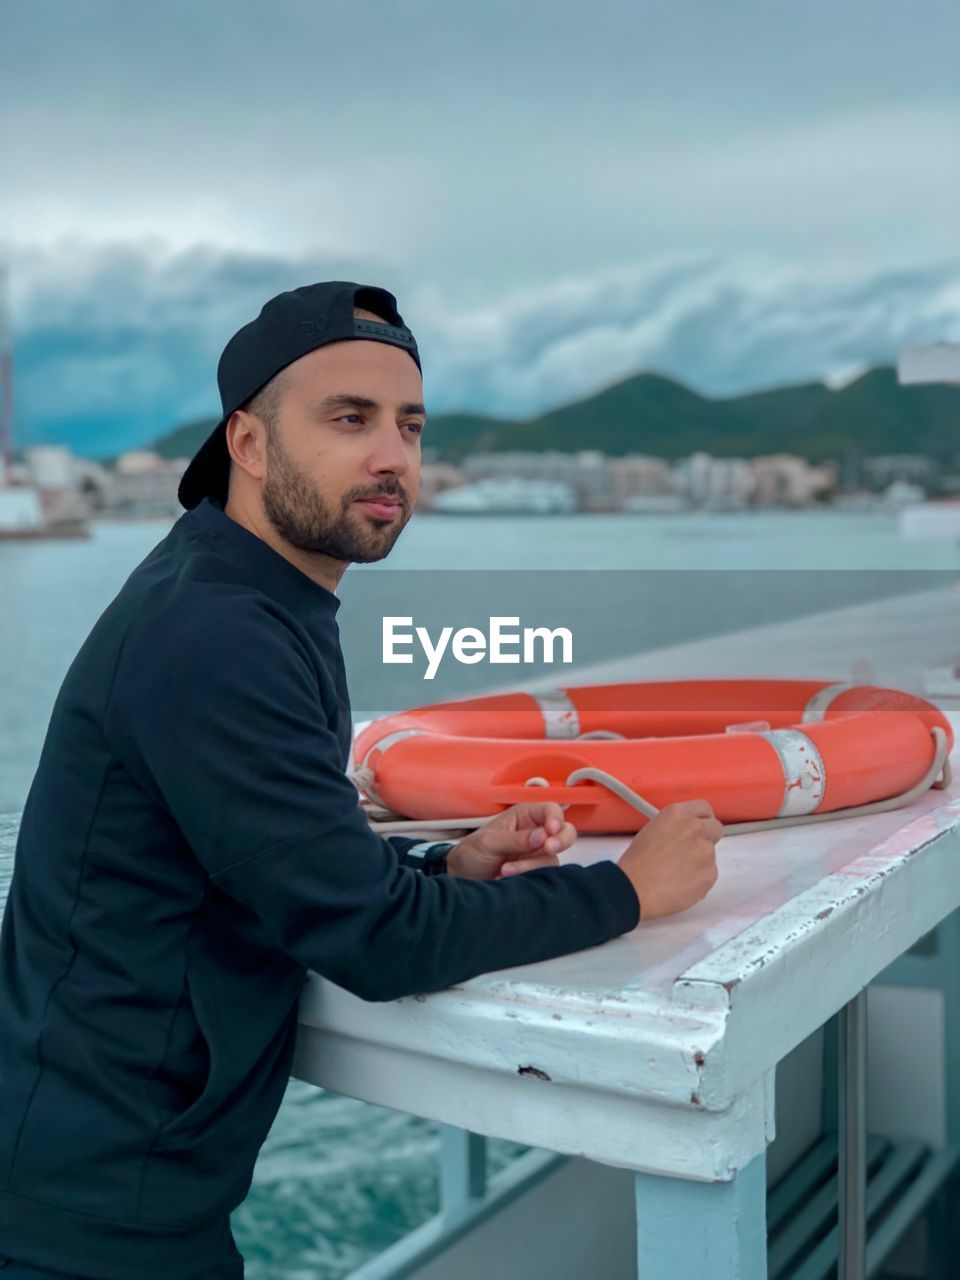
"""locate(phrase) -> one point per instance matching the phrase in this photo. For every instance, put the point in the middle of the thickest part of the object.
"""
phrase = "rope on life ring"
(939, 776)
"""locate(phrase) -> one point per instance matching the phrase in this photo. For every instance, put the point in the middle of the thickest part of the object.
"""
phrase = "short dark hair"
(265, 403)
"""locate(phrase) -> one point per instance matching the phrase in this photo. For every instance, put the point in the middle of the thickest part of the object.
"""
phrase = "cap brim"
(208, 474)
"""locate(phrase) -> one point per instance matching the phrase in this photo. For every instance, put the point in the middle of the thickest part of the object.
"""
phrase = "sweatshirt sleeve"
(400, 846)
(224, 724)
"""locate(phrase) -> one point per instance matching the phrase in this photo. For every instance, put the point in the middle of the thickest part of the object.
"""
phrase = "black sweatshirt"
(190, 847)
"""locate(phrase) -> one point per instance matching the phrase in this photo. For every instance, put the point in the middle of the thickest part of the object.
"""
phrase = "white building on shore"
(144, 484)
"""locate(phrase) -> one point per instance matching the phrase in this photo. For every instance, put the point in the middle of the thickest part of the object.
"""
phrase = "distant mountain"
(651, 414)
(185, 440)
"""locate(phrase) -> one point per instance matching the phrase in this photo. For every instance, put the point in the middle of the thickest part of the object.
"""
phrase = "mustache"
(395, 491)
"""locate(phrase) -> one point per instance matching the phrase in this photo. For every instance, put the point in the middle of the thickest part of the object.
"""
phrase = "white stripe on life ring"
(383, 744)
(804, 773)
(560, 718)
(816, 708)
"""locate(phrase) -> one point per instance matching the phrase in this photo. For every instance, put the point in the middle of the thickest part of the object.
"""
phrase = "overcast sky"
(559, 194)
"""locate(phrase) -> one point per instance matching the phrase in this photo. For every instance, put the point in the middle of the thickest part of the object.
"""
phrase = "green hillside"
(651, 414)
(184, 441)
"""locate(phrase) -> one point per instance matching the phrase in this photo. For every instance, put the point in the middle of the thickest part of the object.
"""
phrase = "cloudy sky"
(739, 194)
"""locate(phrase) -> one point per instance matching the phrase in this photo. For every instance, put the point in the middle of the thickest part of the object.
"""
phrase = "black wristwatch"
(430, 856)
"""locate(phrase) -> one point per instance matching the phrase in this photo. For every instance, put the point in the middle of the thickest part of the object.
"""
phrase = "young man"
(191, 845)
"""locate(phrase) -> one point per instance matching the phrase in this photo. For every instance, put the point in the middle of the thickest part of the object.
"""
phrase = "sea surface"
(338, 1180)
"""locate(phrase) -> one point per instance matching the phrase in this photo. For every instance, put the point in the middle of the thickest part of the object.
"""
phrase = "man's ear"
(246, 437)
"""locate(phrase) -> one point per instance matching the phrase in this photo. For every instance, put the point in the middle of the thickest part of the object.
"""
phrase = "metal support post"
(853, 1139)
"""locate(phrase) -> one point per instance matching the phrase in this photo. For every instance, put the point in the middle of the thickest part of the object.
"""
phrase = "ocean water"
(339, 1180)
(632, 583)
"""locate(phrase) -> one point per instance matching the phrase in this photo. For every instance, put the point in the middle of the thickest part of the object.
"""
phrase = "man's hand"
(672, 860)
(521, 838)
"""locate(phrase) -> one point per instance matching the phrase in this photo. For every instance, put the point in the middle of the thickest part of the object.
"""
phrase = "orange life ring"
(820, 747)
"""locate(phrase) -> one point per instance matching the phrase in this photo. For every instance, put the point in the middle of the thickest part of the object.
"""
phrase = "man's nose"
(389, 452)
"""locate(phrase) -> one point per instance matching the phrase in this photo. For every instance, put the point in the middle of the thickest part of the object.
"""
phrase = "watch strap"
(430, 856)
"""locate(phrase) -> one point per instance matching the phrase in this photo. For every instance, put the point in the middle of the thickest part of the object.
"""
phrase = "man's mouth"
(384, 505)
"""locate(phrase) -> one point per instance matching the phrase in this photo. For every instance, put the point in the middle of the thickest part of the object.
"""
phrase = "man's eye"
(344, 416)
(417, 426)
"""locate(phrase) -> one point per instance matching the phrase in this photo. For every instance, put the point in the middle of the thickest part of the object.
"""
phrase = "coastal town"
(49, 487)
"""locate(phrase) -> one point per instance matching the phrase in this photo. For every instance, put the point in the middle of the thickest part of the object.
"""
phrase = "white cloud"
(130, 336)
(723, 328)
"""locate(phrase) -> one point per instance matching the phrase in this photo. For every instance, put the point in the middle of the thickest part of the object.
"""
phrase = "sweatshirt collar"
(270, 570)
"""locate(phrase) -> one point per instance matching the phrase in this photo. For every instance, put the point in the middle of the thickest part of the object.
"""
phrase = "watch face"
(431, 855)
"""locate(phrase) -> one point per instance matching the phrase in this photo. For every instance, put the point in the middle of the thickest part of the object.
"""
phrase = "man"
(191, 845)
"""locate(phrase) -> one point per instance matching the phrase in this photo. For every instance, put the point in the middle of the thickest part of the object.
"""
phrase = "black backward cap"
(288, 326)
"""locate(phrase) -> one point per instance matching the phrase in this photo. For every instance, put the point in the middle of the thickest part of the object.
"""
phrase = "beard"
(302, 517)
